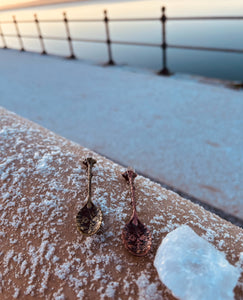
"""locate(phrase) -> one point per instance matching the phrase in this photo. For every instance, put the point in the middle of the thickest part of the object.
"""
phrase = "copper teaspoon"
(89, 217)
(135, 235)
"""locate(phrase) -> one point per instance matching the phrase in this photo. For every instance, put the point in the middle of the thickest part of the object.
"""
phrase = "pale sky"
(11, 2)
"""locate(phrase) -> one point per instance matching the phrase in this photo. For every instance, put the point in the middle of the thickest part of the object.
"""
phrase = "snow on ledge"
(45, 257)
(193, 268)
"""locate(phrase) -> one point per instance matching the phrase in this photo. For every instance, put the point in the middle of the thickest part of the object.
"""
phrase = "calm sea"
(225, 34)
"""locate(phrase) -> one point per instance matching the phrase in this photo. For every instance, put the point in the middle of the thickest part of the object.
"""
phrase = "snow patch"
(147, 290)
(111, 289)
(44, 163)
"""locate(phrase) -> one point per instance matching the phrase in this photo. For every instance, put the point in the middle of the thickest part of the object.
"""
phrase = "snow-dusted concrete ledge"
(43, 185)
(184, 134)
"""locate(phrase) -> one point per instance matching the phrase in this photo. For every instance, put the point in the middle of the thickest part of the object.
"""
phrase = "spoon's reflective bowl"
(89, 219)
(137, 238)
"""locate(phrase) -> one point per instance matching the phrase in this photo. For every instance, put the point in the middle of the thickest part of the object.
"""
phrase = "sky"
(9, 2)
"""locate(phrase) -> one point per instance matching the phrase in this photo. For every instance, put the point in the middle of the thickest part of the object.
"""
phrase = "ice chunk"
(192, 268)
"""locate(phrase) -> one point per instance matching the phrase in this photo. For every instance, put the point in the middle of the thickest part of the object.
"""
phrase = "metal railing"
(164, 45)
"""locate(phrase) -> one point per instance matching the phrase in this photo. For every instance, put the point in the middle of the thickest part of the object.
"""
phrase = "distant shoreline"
(35, 4)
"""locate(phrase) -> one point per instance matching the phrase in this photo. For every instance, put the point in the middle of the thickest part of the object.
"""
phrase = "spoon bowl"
(136, 238)
(89, 219)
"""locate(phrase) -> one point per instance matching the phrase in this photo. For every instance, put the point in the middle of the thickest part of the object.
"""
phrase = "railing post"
(18, 34)
(40, 35)
(3, 38)
(164, 70)
(72, 55)
(108, 40)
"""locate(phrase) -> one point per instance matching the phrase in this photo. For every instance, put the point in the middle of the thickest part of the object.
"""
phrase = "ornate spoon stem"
(89, 163)
(130, 176)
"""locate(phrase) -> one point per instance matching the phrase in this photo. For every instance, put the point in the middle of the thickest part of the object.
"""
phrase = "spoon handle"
(89, 163)
(130, 176)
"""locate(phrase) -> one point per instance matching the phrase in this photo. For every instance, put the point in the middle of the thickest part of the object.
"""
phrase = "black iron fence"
(164, 45)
